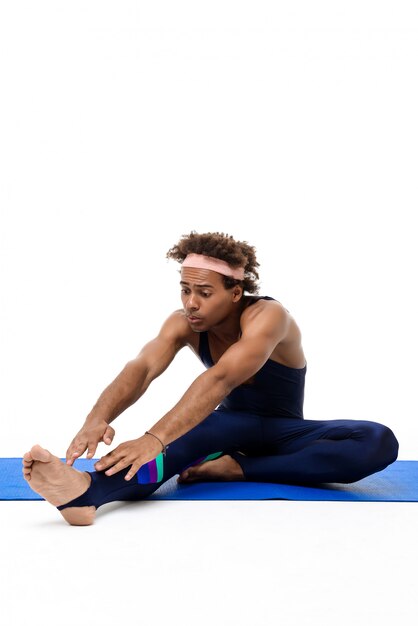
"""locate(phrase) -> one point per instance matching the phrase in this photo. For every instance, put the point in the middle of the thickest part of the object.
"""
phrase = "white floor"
(189, 563)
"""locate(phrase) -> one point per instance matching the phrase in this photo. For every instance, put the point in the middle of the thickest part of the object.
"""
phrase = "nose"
(192, 303)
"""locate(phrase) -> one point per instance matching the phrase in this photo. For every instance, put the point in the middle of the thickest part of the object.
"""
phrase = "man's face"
(206, 302)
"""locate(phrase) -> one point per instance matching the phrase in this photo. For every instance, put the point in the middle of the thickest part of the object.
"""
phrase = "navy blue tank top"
(276, 390)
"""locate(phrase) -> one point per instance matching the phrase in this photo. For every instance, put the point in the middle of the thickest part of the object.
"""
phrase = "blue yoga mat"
(396, 483)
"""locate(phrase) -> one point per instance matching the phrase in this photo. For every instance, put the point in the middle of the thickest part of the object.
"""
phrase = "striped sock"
(203, 459)
(151, 472)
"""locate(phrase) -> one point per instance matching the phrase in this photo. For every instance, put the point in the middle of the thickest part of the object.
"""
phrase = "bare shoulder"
(265, 310)
(270, 317)
(176, 329)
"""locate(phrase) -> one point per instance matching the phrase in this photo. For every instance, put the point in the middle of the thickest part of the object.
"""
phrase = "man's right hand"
(88, 438)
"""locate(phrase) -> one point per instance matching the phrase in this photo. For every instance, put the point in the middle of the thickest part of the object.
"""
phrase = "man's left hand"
(135, 453)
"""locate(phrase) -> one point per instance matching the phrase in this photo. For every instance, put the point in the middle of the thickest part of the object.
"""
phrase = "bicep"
(158, 353)
(248, 355)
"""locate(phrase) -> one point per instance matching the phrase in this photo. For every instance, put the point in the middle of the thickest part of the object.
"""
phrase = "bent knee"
(379, 448)
(391, 444)
(382, 443)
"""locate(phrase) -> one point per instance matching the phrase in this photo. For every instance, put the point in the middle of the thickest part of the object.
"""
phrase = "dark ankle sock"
(110, 488)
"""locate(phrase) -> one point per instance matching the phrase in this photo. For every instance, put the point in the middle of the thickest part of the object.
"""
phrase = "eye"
(184, 290)
(205, 294)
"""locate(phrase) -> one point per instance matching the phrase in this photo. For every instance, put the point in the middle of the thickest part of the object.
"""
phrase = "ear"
(236, 293)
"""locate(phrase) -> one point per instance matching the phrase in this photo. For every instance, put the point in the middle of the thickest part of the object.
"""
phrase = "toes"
(27, 469)
(40, 454)
(27, 473)
(188, 476)
(27, 466)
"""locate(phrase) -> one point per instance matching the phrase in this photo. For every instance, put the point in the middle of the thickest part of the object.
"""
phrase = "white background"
(291, 125)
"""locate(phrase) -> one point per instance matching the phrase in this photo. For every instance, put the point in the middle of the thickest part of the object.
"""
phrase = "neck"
(229, 330)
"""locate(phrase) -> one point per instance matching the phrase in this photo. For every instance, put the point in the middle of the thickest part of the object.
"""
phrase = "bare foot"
(224, 468)
(58, 483)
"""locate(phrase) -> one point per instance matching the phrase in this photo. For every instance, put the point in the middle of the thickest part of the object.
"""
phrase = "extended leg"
(219, 433)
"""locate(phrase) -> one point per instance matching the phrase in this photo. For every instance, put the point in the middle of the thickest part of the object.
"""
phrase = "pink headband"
(216, 265)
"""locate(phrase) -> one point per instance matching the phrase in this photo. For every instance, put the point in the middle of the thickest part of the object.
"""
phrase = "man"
(242, 419)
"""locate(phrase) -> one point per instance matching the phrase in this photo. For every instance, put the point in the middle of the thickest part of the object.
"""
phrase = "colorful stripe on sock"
(151, 472)
(203, 459)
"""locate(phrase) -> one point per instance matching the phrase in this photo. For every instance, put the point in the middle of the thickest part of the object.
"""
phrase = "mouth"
(193, 319)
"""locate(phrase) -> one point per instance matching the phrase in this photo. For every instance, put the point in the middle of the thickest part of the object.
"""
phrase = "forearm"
(124, 391)
(202, 397)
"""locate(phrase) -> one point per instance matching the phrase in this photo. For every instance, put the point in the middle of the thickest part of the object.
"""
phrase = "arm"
(128, 387)
(261, 332)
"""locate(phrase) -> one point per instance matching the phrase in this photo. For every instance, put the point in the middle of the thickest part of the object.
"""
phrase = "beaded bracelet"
(164, 450)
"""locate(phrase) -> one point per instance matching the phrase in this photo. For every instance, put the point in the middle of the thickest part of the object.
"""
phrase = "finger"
(92, 447)
(79, 449)
(73, 457)
(68, 453)
(133, 470)
(75, 451)
(107, 461)
(108, 436)
(122, 464)
(68, 456)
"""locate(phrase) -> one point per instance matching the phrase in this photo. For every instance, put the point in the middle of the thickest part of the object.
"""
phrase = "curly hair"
(225, 248)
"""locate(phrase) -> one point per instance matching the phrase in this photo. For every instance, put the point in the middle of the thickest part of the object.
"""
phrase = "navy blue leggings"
(268, 449)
